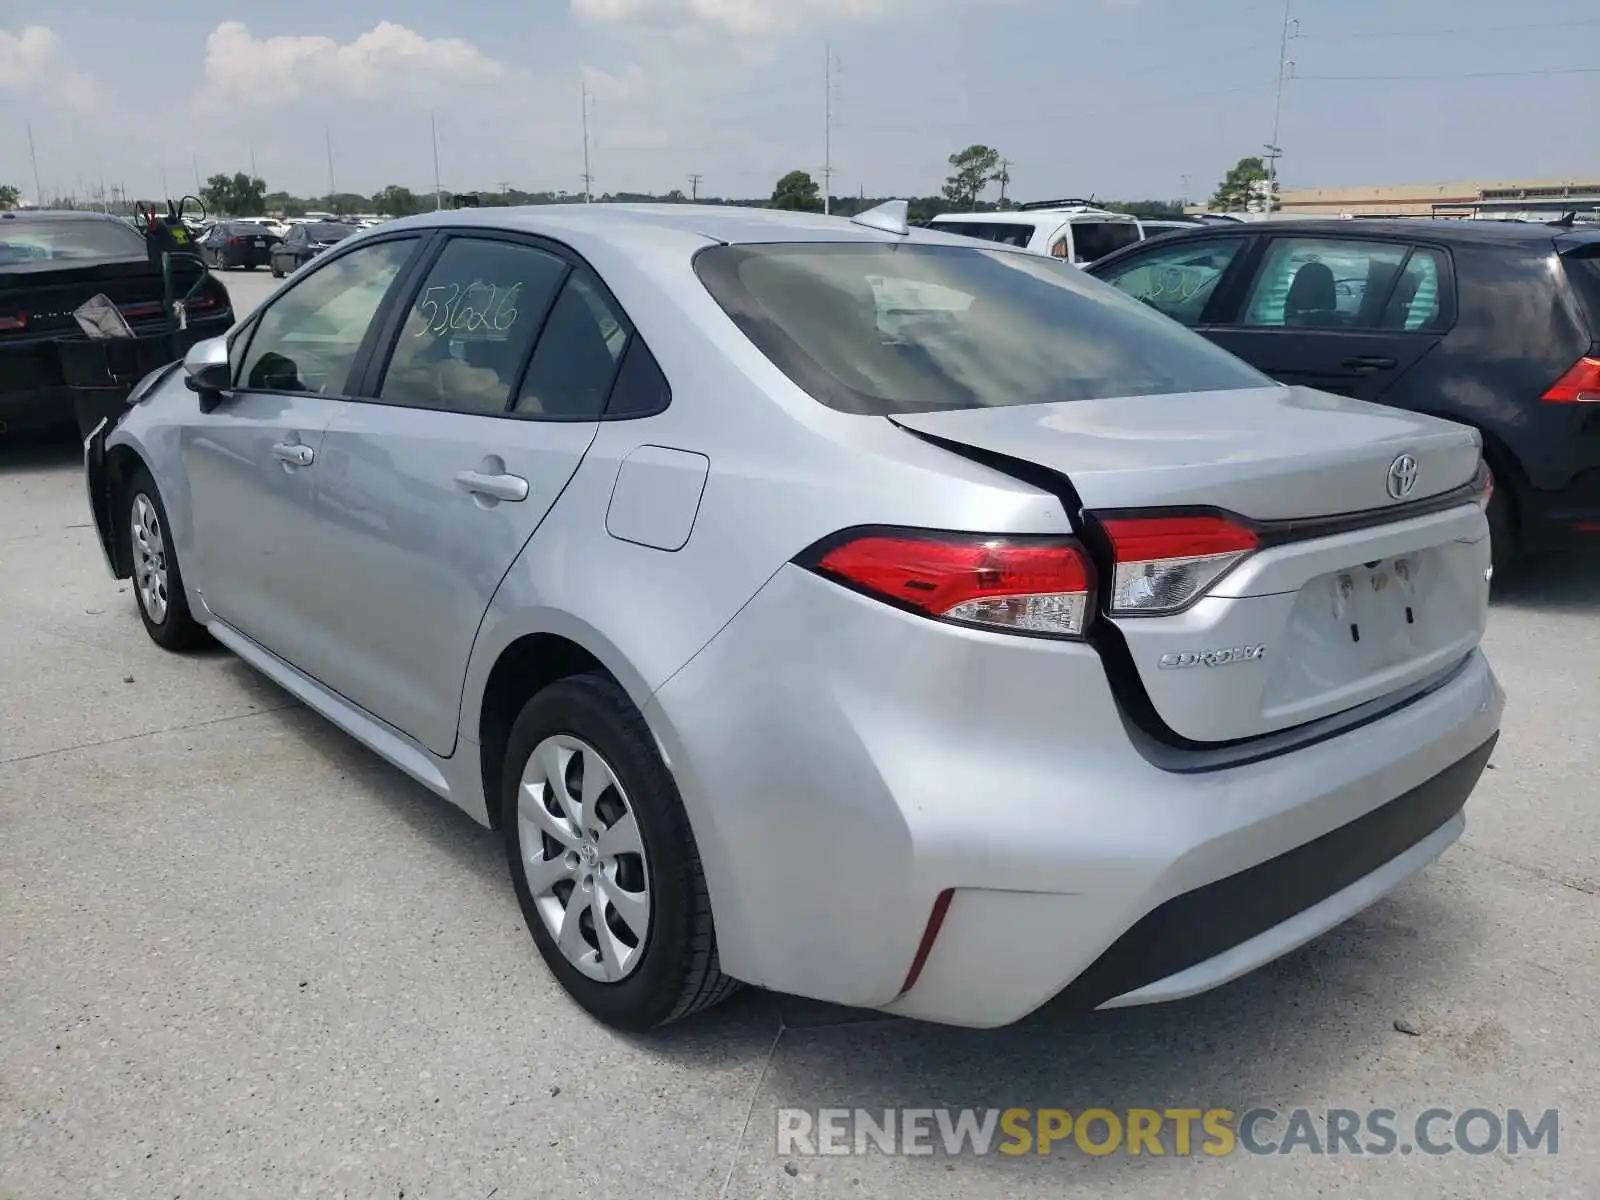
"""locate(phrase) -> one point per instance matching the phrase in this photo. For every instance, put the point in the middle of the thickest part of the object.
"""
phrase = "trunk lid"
(1327, 614)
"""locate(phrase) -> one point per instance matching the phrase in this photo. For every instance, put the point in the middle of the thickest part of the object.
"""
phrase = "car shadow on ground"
(33, 450)
(1552, 582)
(1285, 1031)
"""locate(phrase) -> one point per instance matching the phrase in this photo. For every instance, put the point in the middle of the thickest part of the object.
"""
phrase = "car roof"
(27, 215)
(694, 224)
(1434, 229)
(1036, 216)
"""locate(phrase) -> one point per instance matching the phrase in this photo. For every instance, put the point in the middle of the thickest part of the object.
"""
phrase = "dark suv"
(1494, 324)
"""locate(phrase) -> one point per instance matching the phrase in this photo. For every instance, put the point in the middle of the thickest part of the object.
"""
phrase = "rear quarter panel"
(1517, 330)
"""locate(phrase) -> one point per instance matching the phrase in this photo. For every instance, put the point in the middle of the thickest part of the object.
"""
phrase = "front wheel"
(277, 271)
(603, 860)
(157, 581)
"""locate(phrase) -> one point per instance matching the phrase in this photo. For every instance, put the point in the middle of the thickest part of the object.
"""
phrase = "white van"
(1073, 230)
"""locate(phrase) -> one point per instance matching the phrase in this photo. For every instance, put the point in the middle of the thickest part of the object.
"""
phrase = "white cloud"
(36, 61)
(387, 61)
(743, 18)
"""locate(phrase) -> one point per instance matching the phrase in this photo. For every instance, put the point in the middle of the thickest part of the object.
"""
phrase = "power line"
(1405, 33)
(1452, 75)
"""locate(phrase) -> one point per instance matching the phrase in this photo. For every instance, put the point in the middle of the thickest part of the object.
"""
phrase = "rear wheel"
(157, 581)
(603, 860)
(277, 271)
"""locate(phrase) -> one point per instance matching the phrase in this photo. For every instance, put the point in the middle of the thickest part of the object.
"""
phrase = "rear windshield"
(885, 329)
(43, 239)
(1095, 239)
(329, 233)
(1007, 232)
(1583, 268)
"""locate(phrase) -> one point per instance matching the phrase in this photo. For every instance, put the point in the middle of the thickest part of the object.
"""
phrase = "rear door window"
(880, 330)
(1583, 269)
(1337, 283)
(1005, 232)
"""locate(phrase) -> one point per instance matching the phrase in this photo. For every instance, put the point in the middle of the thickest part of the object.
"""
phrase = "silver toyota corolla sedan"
(848, 609)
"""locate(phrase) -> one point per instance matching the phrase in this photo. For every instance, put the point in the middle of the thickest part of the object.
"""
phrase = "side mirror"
(206, 368)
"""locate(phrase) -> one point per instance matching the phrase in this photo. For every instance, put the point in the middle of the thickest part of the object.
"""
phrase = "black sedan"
(1493, 324)
(230, 244)
(50, 264)
(304, 242)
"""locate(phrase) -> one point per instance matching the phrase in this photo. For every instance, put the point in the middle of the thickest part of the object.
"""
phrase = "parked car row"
(805, 599)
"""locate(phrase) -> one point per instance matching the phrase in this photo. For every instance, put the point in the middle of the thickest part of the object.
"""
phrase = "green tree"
(796, 191)
(976, 168)
(9, 196)
(397, 201)
(237, 195)
(1240, 188)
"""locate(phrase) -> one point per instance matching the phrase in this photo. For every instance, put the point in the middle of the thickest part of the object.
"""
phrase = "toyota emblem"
(1402, 476)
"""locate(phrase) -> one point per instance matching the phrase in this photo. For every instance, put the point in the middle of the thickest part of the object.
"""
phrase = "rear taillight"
(1162, 564)
(1580, 385)
(236, 241)
(13, 320)
(1027, 585)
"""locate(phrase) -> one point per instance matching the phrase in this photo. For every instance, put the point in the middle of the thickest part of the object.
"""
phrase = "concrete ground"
(241, 956)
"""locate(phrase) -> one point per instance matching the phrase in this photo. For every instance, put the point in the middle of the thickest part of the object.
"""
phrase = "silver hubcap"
(149, 558)
(583, 858)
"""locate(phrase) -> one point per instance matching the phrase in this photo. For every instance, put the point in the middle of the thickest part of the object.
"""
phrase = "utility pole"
(1184, 202)
(694, 186)
(588, 179)
(166, 193)
(195, 162)
(827, 130)
(1274, 153)
(327, 137)
(38, 188)
(1005, 178)
(438, 187)
(105, 206)
(252, 160)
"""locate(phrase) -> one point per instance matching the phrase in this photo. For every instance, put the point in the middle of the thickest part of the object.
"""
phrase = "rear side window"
(570, 374)
(1004, 232)
(1583, 268)
(884, 329)
(1333, 283)
(1093, 240)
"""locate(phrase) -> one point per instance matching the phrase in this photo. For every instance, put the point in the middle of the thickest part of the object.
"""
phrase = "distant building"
(1478, 198)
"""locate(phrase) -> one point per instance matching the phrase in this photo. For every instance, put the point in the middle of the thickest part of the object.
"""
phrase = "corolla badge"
(1402, 476)
(1226, 657)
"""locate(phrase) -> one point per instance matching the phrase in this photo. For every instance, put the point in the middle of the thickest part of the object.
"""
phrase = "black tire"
(250, 266)
(1505, 548)
(677, 973)
(277, 272)
(176, 629)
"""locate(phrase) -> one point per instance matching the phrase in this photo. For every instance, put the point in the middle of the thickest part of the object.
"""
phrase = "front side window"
(308, 338)
(1178, 279)
(1325, 283)
(470, 327)
(879, 329)
(1007, 233)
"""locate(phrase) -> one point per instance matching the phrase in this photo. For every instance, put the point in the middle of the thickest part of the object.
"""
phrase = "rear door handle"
(1368, 362)
(296, 454)
(495, 487)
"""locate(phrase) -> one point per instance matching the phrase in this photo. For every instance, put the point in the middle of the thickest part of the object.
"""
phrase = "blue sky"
(1122, 98)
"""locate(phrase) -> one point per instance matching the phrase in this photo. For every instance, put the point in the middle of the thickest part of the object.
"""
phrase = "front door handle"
(1368, 362)
(494, 487)
(296, 454)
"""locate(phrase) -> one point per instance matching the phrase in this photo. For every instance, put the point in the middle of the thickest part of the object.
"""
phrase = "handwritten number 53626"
(477, 308)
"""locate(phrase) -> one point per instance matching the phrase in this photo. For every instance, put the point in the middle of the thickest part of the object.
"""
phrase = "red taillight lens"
(1483, 485)
(12, 321)
(1581, 385)
(1166, 563)
(236, 241)
(1016, 585)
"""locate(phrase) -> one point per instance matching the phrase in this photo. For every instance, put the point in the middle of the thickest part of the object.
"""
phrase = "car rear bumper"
(1555, 519)
(846, 765)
